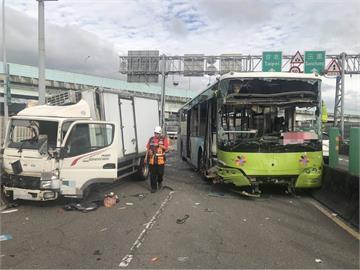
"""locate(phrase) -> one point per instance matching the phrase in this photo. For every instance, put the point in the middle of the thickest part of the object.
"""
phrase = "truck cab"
(57, 150)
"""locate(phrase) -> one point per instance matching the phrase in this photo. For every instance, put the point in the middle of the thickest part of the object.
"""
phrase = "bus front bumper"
(308, 178)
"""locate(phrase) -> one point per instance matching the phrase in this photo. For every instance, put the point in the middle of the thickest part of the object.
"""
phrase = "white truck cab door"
(88, 155)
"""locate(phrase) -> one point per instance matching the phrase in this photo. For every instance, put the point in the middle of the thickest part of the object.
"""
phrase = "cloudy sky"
(88, 35)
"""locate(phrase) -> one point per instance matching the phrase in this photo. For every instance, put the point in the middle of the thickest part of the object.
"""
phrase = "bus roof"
(270, 75)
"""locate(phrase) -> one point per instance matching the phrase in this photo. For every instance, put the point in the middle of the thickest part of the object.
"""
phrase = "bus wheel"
(143, 170)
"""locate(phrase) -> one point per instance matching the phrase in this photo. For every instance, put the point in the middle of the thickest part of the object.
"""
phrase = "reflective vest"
(157, 154)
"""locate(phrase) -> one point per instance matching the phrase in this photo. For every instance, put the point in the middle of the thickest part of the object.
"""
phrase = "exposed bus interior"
(264, 115)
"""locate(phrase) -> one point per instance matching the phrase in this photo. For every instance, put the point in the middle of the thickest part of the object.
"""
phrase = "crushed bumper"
(31, 194)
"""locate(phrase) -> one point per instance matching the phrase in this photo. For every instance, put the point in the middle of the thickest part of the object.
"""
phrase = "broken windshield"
(269, 128)
(32, 134)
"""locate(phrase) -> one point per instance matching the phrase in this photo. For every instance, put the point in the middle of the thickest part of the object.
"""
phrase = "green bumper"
(243, 169)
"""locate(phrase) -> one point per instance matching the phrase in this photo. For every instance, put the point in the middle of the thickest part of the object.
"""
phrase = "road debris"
(139, 195)
(182, 220)
(216, 194)
(129, 203)
(111, 199)
(197, 203)
(104, 229)
(247, 194)
(155, 259)
(27, 218)
(182, 259)
(84, 207)
(9, 211)
(121, 208)
(244, 219)
(97, 252)
(318, 260)
(334, 214)
(209, 210)
(5, 237)
(170, 188)
(267, 218)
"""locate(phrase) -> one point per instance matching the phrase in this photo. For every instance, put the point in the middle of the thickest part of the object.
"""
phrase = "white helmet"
(157, 130)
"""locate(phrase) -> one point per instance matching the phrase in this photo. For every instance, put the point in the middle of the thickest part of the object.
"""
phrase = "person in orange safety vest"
(156, 148)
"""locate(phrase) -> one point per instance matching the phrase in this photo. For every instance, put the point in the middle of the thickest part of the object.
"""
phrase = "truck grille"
(20, 181)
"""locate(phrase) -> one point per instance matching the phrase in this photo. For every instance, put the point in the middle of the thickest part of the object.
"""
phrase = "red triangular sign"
(297, 58)
(333, 67)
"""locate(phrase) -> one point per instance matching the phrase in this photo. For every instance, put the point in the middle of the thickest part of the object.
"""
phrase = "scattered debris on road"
(209, 210)
(5, 237)
(182, 220)
(182, 259)
(155, 259)
(247, 194)
(129, 203)
(140, 195)
(9, 211)
(318, 260)
(334, 214)
(97, 252)
(170, 188)
(84, 207)
(267, 218)
(244, 219)
(111, 199)
(121, 208)
(216, 194)
(197, 203)
(104, 229)
(27, 218)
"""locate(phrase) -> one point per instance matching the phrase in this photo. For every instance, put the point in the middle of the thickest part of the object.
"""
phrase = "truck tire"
(143, 170)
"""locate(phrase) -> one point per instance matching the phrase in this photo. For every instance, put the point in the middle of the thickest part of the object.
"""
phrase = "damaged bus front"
(269, 130)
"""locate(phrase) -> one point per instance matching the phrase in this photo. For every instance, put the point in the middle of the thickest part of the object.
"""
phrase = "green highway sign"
(271, 61)
(314, 62)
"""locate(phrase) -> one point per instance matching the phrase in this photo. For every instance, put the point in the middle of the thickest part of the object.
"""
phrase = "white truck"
(61, 150)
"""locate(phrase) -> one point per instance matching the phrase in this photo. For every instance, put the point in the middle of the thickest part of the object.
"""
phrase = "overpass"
(24, 88)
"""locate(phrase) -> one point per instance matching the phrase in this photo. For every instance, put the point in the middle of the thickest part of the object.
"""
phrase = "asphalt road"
(223, 230)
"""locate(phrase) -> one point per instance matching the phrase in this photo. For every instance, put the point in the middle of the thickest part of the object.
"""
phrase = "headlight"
(50, 180)
(45, 184)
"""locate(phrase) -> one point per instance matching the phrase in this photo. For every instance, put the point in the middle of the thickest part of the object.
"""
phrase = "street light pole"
(5, 69)
(41, 36)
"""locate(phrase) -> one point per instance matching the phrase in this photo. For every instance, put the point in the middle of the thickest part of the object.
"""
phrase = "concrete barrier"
(340, 193)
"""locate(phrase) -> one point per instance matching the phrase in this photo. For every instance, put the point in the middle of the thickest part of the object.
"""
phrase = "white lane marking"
(128, 257)
(339, 222)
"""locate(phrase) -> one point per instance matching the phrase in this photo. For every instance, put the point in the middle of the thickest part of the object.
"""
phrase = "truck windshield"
(32, 134)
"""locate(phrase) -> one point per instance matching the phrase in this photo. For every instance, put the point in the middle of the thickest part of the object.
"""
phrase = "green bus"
(256, 128)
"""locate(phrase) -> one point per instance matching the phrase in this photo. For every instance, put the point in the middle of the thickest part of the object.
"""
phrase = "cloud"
(103, 29)
(67, 47)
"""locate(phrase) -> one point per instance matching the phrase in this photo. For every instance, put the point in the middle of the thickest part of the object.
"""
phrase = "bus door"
(188, 130)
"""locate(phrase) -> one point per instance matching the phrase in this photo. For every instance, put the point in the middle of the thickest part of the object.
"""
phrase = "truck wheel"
(143, 170)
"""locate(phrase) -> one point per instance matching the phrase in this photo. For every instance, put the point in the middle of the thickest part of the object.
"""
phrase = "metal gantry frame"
(200, 65)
